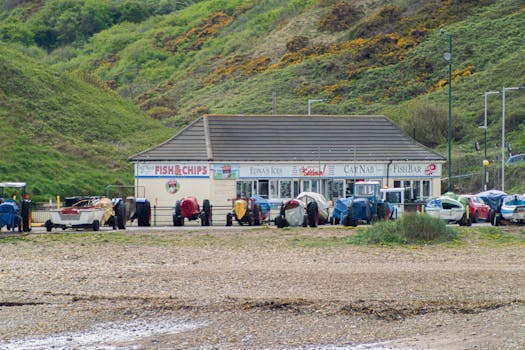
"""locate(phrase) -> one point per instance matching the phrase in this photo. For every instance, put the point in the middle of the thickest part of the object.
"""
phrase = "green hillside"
(177, 60)
(63, 136)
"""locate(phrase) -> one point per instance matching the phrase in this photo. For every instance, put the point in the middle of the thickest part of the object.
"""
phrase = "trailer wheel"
(113, 222)
(229, 219)
(257, 213)
(497, 220)
(203, 218)
(19, 223)
(313, 214)
(281, 222)
(120, 215)
(49, 225)
(381, 211)
(207, 209)
(491, 216)
(27, 213)
(347, 218)
(305, 220)
(143, 213)
(96, 225)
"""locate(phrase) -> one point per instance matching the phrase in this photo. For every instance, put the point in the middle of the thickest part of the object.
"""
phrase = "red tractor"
(189, 208)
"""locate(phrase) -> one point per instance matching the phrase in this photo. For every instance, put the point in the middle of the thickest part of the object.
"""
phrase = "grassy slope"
(63, 136)
(230, 56)
(488, 41)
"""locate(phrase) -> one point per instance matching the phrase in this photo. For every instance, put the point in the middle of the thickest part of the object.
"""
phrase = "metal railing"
(160, 216)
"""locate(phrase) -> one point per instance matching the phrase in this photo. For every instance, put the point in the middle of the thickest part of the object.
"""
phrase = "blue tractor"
(366, 205)
(11, 214)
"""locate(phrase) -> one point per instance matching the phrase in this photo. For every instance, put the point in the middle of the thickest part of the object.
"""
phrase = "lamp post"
(312, 101)
(448, 58)
(503, 132)
(485, 161)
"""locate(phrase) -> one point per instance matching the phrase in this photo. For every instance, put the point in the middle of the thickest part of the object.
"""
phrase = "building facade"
(220, 157)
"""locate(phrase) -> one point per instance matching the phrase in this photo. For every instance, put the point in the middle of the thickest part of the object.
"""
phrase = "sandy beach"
(256, 289)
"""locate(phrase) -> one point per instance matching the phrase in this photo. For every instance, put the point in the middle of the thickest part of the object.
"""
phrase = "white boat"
(513, 208)
(76, 216)
(323, 205)
(292, 213)
(445, 208)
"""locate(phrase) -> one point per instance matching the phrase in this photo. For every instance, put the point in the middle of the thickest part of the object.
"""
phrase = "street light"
(503, 132)
(485, 161)
(448, 58)
(312, 101)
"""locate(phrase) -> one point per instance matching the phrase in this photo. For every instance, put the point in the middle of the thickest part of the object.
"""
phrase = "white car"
(448, 209)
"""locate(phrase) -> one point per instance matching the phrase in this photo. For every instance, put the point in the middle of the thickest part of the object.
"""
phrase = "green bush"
(411, 228)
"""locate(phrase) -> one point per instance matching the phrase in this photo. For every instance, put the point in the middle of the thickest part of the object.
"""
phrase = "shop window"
(263, 188)
(246, 189)
(310, 186)
(274, 189)
(335, 189)
(426, 188)
(417, 190)
(307, 186)
(296, 188)
(285, 189)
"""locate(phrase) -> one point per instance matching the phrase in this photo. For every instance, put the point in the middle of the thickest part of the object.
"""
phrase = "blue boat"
(513, 208)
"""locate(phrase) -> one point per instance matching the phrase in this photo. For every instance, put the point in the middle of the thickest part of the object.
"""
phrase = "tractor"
(188, 208)
(22, 215)
(366, 205)
(251, 211)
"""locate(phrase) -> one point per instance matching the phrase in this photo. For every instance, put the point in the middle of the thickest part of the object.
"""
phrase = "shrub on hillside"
(429, 123)
(342, 16)
(411, 228)
(297, 43)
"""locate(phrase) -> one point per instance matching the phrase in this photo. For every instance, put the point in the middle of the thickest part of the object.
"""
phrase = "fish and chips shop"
(220, 157)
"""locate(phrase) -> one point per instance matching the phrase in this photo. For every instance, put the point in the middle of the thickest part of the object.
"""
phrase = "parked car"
(448, 209)
(478, 210)
(518, 158)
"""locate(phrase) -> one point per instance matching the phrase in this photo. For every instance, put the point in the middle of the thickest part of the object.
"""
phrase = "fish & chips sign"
(172, 170)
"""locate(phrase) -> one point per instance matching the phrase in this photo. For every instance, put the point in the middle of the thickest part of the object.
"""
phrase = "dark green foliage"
(132, 11)
(55, 23)
(342, 16)
(428, 123)
(412, 228)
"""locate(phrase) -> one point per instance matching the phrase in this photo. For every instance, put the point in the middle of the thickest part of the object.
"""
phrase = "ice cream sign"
(172, 170)
(225, 171)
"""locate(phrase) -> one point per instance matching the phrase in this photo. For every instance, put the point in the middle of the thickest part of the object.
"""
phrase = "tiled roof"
(232, 138)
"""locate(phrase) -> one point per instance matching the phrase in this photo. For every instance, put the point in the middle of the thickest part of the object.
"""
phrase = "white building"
(219, 157)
